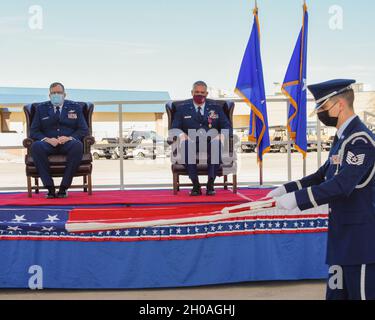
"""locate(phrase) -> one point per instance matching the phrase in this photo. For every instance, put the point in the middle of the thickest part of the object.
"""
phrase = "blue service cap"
(324, 91)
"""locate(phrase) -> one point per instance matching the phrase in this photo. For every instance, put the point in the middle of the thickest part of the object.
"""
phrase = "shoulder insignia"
(356, 160)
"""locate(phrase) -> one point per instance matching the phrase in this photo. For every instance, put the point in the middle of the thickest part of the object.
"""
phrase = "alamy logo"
(336, 22)
(36, 17)
(336, 279)
(36, 280)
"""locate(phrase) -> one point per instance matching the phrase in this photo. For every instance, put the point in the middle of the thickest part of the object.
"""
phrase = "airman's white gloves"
(287, 202)
(278, 192)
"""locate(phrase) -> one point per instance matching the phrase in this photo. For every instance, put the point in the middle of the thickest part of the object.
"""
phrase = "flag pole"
(261, 173)
(304, 158)
(260, 162)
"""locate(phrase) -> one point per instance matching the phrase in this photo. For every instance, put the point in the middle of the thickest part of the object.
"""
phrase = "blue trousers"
(358, 283)
(40, 152)
(213, 163)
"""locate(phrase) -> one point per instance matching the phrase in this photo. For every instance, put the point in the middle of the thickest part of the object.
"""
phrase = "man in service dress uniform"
(347, 183)
(58, 127)
(201, 116)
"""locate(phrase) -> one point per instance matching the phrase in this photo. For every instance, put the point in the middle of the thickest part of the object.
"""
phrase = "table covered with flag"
(211, 248)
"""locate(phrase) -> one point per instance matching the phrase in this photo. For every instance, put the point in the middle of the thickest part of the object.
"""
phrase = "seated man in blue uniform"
(199, 116)
(347, 183)
(58, 127)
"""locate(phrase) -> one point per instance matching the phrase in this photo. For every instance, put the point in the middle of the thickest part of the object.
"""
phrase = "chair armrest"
(88, 141)
(171, 141)
(27, 143)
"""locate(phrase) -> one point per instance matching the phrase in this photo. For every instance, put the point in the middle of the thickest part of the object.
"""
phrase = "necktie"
(200, 117)
(57, 113)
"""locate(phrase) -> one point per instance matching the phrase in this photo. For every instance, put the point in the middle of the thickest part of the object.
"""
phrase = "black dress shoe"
(210, 188)
(62, 194)
(197, 191)
(51, 193)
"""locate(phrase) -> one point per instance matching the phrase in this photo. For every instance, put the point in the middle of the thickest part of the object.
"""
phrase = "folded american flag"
(150, 223)
(33, 220)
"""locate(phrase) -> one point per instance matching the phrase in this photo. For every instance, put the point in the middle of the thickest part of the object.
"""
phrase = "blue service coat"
(347, 183)
(71, 122)
(186, 117)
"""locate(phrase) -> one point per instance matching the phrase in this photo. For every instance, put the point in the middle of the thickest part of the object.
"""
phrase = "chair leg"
(178, 182)
(29, 189)
(234, 183)
(89, 185)
(37, 185)
(225, 182)
(84, 183)
(175, 183)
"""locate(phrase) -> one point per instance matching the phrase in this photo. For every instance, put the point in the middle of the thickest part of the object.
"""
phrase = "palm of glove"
(284, 200)
(278, 192)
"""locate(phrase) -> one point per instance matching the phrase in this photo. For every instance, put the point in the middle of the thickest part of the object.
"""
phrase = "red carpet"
(132, 197)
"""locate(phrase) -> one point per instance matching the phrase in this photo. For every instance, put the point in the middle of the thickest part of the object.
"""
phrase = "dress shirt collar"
(341, 130)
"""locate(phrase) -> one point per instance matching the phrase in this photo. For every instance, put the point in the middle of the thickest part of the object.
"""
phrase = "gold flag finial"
(255, 11)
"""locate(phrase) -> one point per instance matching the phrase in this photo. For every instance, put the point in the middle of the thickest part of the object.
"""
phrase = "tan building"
(277, 110)
(148, 117)
(141, 117)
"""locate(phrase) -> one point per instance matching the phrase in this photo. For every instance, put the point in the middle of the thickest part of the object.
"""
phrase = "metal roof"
(31, 95)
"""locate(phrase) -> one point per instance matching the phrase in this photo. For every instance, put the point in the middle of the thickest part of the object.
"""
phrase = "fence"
(121, 144)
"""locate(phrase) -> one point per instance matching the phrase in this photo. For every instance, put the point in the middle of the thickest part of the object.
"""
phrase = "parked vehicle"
(279, 139)
(243, 136)
(99, 153)
(312, 138)
(142, 144)
(103, 151)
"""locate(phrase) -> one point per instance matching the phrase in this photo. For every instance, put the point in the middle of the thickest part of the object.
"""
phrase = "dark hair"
(55, 84)
(200, 83)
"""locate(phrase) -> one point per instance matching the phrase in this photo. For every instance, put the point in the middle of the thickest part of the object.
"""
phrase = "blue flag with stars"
(295, 89)
(250, 86)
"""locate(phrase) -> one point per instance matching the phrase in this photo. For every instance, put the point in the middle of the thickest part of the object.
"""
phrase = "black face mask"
(327, 120)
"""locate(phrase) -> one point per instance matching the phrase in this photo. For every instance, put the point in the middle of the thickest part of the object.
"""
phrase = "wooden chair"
(180, 169)
(58, 162)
